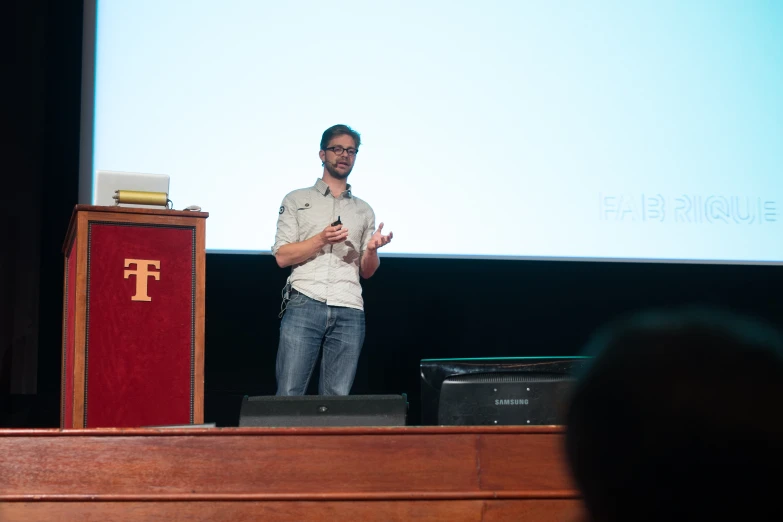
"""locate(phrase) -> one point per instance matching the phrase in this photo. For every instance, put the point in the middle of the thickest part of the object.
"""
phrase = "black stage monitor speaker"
(497, 391)
(498, 399)
(323, 411)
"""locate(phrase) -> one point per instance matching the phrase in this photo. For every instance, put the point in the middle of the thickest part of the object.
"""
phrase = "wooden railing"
(366, 474)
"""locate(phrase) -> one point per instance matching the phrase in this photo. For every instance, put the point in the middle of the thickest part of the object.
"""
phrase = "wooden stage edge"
(432, 473)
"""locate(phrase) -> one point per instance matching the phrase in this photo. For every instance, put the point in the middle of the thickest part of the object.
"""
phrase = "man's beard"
(335, 173)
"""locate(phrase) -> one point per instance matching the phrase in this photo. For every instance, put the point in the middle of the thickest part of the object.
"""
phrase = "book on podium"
(133, 318)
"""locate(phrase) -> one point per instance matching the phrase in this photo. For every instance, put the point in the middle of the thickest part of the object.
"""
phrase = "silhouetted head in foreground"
(679, 417)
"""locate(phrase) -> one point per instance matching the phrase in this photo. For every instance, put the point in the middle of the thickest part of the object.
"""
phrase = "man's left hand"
(378, 240)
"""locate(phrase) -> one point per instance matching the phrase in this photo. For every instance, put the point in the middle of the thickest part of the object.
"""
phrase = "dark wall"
(416, 308)
(435, 308)
(39, 190)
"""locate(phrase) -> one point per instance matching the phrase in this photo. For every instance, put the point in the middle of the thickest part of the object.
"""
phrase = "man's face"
(339, 165)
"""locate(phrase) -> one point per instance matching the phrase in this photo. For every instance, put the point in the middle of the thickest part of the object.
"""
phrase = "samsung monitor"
(530, 391)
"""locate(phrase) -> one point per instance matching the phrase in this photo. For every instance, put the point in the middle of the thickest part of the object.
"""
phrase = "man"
(328, 236)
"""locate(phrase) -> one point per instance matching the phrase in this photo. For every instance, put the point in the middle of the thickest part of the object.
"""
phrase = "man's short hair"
(339, 130)
(678, 417)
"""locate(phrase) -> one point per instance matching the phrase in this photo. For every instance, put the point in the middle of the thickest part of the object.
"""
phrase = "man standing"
(327, 235)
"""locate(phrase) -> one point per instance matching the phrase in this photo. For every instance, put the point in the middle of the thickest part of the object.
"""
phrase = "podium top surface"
(132, 210)
(127, 211)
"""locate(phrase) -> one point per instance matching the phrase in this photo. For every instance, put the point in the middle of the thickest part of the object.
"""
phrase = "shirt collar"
(323, 188)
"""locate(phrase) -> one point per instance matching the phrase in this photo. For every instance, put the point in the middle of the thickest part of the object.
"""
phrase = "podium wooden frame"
(113, 369)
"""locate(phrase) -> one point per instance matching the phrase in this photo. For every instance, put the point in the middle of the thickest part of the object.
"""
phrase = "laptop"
(109, 181)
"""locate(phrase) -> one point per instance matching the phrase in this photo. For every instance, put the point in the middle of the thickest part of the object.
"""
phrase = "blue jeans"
(306, 326)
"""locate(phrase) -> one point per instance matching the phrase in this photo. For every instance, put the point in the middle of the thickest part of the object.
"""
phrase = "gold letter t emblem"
(142, 273)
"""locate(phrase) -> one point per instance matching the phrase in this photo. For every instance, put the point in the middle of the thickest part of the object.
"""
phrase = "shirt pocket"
(308, 220)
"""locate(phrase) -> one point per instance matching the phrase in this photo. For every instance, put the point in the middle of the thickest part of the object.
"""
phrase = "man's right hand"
(299, 252)
(332, 235)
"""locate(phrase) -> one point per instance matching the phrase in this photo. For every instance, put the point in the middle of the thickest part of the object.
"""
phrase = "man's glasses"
(339, 150)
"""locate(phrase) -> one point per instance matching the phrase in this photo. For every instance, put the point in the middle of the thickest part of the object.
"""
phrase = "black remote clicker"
(338, 222)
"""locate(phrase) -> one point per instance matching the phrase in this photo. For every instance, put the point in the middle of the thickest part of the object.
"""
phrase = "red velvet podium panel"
(133, 318)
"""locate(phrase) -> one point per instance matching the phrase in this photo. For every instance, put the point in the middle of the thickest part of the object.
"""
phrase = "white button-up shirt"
(332, 274)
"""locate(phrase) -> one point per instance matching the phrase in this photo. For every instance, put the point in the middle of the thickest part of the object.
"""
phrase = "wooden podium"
(133, 318)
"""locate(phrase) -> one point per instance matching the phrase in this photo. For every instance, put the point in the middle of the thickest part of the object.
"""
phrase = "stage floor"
(411, 473)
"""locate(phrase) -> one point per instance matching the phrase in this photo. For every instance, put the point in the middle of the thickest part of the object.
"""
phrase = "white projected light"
(510, 129)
